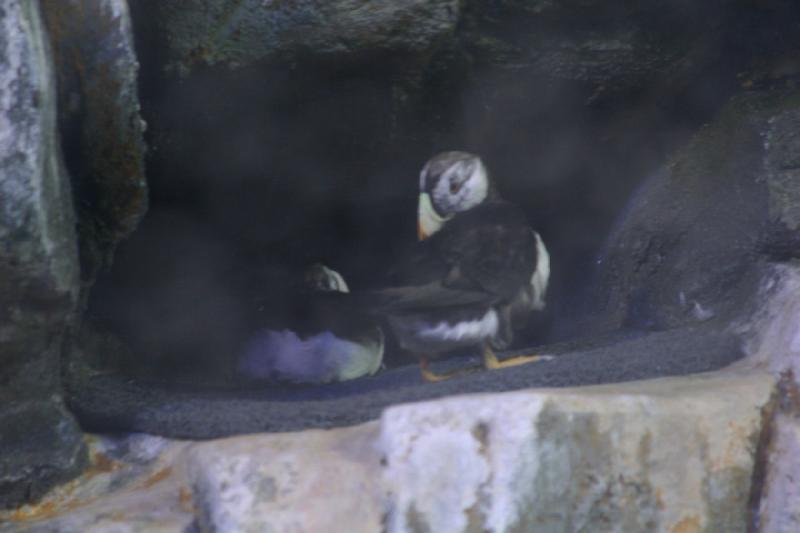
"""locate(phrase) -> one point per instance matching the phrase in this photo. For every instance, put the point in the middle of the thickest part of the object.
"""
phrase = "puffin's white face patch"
(336, 280)
(455, 193)
(322, 278)
(429, 220)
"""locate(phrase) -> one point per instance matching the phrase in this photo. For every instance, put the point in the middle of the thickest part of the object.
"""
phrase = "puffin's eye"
(455, 186)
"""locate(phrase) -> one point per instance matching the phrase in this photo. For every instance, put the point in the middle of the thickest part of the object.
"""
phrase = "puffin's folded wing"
(491, 248)
(421, 297)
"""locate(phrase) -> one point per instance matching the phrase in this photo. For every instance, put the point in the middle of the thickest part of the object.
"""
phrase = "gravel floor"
(113, 403)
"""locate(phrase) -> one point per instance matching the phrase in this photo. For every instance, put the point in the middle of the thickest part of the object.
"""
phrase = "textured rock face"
(691, 245)
(614, 45)
(782, 160)
(40, 446)
(673, 455)
(773, 342)
(135, 484)
(653, 456)
(237, 33)
(773, 335)
(100, 123)
(259, 483)
(780, 507)
(38, 264)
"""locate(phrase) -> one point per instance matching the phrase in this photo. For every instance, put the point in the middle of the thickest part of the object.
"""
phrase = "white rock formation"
(647, 456)
(674, 454)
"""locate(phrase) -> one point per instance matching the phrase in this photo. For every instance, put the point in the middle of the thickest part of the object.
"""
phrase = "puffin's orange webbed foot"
(431, 377)
(491, 362)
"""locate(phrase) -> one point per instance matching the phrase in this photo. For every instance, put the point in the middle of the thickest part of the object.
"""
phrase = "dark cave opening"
(625, 143)
(259, 170)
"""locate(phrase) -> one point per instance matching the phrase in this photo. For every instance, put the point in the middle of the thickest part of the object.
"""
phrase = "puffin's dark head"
(450, 183)
(318, 277)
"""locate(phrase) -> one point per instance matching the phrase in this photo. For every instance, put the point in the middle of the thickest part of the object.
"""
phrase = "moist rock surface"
(40, 443)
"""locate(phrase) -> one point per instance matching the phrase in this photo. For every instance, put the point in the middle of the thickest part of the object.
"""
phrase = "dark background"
(258, 170)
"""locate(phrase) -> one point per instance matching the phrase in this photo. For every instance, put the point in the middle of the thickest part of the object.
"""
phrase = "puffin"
(476, 271)
(321, 337)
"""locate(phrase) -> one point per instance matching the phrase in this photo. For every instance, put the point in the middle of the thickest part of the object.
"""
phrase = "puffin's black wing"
(421, 297)
(337, 312)
(415, 282)
(489, 248)
(482, 256)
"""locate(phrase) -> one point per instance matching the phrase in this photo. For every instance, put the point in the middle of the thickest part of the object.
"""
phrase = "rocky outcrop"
(100, 122)
(675, 455)
(85, 50)
(773, 333)
(779, 508)
(692, 244)
(773, 342)
(40, 446)
(257, 483)
(651, 456)
(611, 46)
(236, 33)
(40, 443)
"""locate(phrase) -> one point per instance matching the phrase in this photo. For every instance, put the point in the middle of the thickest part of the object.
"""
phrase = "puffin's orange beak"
(421, 232)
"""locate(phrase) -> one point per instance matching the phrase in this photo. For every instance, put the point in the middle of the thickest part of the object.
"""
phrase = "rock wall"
(235, 33)
(100, 122)
(693, 242)
(67, 86)
(40, 444)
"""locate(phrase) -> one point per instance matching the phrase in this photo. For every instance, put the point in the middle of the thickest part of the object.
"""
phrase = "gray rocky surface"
(85, 50)
(41, 444)
(779, 508)
(693, 242)
(613, 46)
(781, 142)
(100, 122)
(112, 402)
(673, 454)
(236, 33)
(592, 461)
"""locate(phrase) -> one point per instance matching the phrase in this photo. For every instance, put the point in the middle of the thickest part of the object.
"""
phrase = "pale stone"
(773, 343)
(779, 508)
(135, 484)
(662, 455)
(773, 334)
(674, 454)
(308, 481)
